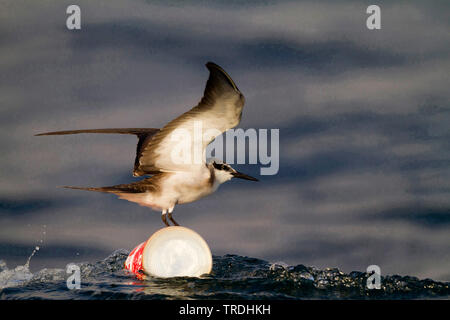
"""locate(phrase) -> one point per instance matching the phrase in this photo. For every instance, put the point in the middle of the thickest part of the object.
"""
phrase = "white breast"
(184, 187)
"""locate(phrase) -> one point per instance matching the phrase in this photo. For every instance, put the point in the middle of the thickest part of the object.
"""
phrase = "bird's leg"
(170, 217)
(163, 217)
(173, 220)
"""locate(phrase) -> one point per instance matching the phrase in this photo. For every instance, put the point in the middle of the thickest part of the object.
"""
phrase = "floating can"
(171, 252)
(134, 261)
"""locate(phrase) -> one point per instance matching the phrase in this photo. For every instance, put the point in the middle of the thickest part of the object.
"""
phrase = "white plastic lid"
(176, 252)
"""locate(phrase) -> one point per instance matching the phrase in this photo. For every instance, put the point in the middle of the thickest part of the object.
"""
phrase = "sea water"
(232, 277)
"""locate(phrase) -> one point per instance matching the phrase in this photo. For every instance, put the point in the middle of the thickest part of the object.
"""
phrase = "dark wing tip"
(53, 133)
(212, 67)
(136, 131)
(47, 134)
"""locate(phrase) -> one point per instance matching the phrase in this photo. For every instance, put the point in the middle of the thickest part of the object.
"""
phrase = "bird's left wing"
(144, 135)
(181, 144)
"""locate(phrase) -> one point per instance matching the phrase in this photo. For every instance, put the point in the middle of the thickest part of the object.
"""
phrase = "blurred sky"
(363, 116)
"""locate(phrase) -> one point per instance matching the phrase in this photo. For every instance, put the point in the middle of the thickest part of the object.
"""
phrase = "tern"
(171, 181)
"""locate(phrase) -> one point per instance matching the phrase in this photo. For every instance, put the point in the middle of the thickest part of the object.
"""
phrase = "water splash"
(27, 264)
(16, 276)
(20, 274)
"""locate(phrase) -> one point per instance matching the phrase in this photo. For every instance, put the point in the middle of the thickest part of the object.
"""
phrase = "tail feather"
(142, 186)
(101, 189)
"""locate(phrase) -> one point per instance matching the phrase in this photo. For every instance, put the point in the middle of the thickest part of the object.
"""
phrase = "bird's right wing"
(181, 144)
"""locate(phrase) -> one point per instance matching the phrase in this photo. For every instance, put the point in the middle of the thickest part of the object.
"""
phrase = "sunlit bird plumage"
(177, 182)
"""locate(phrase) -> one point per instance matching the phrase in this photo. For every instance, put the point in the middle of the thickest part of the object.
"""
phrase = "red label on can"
(134, 261)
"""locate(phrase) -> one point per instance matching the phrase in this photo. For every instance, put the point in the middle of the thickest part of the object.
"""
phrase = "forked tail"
(100, 189)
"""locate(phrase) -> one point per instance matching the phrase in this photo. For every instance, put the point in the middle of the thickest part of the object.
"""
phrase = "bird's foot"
(172, 219)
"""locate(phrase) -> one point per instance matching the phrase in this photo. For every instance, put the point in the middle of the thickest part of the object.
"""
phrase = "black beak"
(243, 176)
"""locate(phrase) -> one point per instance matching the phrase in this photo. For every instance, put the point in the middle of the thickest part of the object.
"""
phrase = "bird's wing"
(135, 131)
(144, 135)
(220, 109)
(181, 144)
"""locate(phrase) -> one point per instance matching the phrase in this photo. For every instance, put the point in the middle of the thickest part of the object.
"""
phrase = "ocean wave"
(232, 277)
